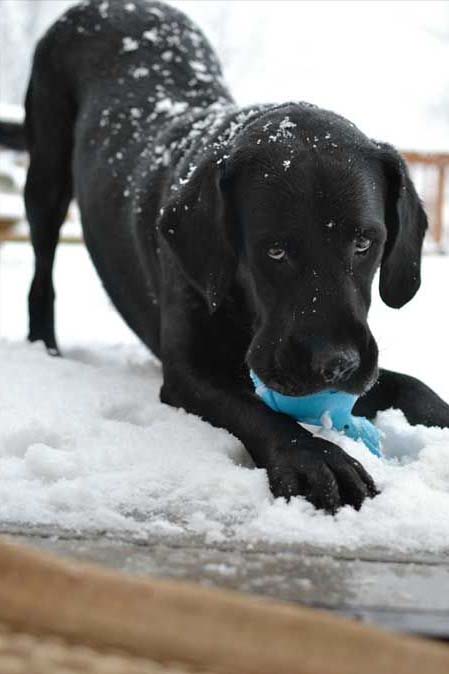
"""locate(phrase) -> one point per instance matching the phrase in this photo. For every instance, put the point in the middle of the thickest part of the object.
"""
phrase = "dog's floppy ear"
(197, 226)
(406, 221)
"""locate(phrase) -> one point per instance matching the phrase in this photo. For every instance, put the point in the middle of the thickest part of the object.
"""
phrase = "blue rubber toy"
(335, 407)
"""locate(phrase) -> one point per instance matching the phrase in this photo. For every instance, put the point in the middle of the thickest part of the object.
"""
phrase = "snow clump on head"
(129, 44)
(103, 9)
(283, 132)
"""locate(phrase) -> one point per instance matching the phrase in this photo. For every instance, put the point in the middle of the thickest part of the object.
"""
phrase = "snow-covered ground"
(85, 443)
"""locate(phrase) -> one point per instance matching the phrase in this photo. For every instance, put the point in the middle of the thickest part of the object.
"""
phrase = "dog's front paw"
(322, 472)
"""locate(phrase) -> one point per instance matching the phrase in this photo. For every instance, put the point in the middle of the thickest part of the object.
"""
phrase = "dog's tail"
(12, 135)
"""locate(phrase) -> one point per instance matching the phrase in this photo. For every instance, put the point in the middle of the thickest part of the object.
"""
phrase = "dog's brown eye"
(276, 253)
(362, 244)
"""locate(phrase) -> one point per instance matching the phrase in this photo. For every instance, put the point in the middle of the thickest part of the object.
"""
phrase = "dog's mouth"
(286, 384)
(292, 387)
(288, 387)
(349, 368)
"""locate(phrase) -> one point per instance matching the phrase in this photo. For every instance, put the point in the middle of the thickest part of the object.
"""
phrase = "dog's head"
(301, 214)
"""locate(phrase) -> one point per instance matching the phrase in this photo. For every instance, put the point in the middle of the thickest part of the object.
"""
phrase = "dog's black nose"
(336, 366)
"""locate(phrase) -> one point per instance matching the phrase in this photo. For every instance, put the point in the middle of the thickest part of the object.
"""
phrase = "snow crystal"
(285, 127)
(130, 7)
(150, 35)
(103, 8)
(129, 44)
(204, 77)
(283, 132)
(286, 164)
(157, 12)
(330, 224)
(198, 66)
(194, 37)
(141, 71)
(170, 107)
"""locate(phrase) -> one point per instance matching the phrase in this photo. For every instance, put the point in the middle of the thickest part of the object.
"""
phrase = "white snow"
(325, 52)
(140, 71)
(150, 35)
(86, 444)
(172, 108)
(129, 44)
(12, 113)
(103, 9)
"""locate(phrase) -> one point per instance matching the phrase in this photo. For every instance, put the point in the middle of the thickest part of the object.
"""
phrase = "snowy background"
(381, 64)
(84, 442)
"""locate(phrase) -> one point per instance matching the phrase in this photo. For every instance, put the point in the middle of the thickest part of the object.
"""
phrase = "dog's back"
(127, 68)
(109, 79)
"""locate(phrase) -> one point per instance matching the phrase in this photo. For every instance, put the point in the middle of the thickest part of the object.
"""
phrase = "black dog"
(227, 238)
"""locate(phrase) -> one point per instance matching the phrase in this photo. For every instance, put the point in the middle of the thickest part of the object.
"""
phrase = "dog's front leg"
(297, 463)
(417, 401)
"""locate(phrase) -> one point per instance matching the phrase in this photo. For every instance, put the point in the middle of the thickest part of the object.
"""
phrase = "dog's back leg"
(48, 191)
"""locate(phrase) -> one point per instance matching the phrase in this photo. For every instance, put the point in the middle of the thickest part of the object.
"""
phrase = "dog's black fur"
(227, 238)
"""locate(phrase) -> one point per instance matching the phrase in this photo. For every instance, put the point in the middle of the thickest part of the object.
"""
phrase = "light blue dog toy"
(329, 409)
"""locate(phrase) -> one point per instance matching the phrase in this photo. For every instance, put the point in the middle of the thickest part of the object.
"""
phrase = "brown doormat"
(29, 654)
(63, 612)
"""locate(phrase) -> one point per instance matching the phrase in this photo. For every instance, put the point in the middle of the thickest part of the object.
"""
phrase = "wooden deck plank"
(410, 596)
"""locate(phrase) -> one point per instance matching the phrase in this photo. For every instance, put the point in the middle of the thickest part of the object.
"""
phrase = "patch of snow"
(129, 44)
(170, 107)
(11, 207)
(12, 113)
(157, 12)
(150, 35)
(140, 71)
(198, 66)
(85, 442)
(103, 8)
(285, 127)
(204, 77)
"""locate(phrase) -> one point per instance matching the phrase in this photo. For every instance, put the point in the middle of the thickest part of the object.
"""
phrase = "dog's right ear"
(196, 224)
(406, 221)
